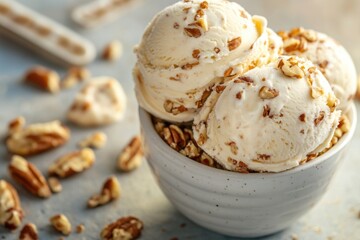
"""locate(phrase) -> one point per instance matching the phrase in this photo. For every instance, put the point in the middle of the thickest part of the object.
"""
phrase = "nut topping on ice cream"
(329, 56)
(268, 125)
(192, 45)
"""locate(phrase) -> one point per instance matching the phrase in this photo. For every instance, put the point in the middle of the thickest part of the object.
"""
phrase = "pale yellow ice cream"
(327, 54)
(190, 46)
(270, 119)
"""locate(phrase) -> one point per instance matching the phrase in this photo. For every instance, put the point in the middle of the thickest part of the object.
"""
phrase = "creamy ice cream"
(332, 59)
(190, 46)
(270, 119)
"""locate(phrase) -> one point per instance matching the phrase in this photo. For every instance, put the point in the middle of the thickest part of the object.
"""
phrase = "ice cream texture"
(329, 56)
(191, 46)
(270, 119)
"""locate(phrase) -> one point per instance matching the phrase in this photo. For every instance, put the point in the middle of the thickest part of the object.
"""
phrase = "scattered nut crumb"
(61, 223)
(74, 76)
(109, 192)
(112, 51)
(294, 237)
(43, 78)
(95, 140)
(16, 125)
(55, 185)
(80, 228)
(29, 232)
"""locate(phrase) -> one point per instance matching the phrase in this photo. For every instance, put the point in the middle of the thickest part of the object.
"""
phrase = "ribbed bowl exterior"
(235, 204)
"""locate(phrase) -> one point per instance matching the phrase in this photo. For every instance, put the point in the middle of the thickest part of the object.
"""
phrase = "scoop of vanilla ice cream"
(270, 119)
(332, 59)
(190, 46)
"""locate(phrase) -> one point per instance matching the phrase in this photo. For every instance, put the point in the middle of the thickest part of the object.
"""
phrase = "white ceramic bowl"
(235, 204)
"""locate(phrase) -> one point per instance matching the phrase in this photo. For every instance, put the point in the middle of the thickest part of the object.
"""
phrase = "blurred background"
(336, 217)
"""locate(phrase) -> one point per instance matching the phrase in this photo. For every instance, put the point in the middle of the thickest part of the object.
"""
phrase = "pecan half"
(43, 78)
(61, 224)
(128, 228)
(95, 140)
(109, 192)
(11, 213)
(29, 177)
(131, 156)
(175, 137)
(73, 163)
(37, 138)
(29, 232)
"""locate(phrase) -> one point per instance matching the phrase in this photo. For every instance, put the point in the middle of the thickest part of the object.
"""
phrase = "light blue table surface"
(335, 217)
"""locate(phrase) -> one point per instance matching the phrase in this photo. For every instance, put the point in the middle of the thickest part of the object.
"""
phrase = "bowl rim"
(148, 127)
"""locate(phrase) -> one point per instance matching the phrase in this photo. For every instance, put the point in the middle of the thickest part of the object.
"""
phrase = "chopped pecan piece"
(228, 72)
(95, 140)
(128, 228)
(29, 232)
(319, 118)
(37, 138)
(131, 156)
(234, 43)
(109, 192)
(291, 68)
(268, 93)
(16, 125)
(244, 79)
(112, 51)
(196, 53)
(316, 92)
(302, 117)
(191, 150)
(192, 32)
(54, 185)
(174, 108)
(80, 228)
(204, 96)
(266, 111)
(73, 163)
(29, 177)
(11, 213)
(61, 223)
(204, 5)
(74, 76)
(43, 78)
(239, 95)
(233, 147)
